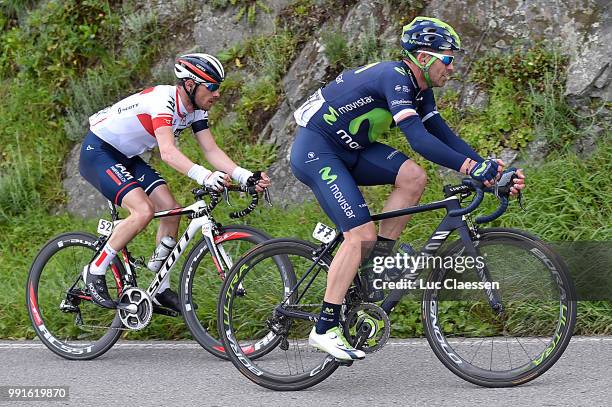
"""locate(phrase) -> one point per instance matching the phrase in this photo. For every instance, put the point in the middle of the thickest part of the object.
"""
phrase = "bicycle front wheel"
(62, 313)
(511, 344)
(249, 317)
(201, 280)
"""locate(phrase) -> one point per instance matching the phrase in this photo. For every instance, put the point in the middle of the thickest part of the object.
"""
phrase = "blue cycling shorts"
(112, 173)
(333, 173)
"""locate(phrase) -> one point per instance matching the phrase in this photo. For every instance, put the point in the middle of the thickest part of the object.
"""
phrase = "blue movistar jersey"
(361, 104)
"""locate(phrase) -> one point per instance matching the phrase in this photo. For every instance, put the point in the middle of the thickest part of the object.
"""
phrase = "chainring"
(144, 309)
(369, 324)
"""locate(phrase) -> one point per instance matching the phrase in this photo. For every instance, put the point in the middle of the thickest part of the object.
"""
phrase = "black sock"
(329, 317)
(383, 247)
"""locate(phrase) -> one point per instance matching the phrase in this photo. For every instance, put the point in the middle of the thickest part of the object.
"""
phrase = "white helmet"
(202, 68)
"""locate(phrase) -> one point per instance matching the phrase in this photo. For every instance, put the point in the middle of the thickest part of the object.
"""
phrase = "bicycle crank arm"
(131, 308)
(165, 311)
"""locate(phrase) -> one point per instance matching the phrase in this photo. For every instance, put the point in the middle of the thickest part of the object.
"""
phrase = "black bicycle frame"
(439, 236)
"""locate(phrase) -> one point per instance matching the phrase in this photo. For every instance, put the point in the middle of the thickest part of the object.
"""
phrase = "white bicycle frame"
(200, 221)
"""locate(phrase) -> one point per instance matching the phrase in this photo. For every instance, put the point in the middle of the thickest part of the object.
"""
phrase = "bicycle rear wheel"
(65, 319)
(248, 316)
(504, 349)
(201, 280)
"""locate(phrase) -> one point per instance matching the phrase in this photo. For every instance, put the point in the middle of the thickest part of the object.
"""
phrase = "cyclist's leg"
(163, 200)
(380, 164)
(156, 188)
(159, 193)
(141, 211)
(323, 167)
(107, 170)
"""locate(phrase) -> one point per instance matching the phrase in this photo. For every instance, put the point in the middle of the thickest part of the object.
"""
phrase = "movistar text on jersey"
(354, 105)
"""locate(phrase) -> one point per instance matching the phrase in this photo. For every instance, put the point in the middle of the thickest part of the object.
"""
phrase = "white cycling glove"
(241, 175)
(206, 177)
(216, 180)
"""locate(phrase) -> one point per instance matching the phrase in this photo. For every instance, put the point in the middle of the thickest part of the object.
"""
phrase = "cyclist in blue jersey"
(336, 149)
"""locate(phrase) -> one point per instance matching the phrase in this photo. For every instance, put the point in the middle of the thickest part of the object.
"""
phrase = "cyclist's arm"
(214, 155)
(435, 124)
(168, 151)
(431, 147)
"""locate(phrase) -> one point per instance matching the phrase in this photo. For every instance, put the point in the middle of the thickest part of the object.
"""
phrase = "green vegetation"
(245, 8)
(64, 60)
(344, 53)
(525, 102)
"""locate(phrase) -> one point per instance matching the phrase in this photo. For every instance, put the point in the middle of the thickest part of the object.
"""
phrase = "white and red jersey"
(129, 125)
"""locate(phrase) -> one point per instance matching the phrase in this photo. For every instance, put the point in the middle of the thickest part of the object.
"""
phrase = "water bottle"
(162, 251)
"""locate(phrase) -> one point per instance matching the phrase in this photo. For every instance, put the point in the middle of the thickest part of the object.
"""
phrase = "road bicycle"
(71, 325)
(502, 321)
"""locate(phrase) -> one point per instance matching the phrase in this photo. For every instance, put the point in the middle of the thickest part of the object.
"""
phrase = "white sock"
(99, 265)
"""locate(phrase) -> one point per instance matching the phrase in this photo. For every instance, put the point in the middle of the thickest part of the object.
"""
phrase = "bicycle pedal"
(346, 363)
(165, 311)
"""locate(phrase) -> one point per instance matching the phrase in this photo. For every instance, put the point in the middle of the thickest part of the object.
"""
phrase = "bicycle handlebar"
(250, 188)
(501, 190)
(215, 198)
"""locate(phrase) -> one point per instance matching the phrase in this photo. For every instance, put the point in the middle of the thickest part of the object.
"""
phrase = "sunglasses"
(445, 59)
(212, 86)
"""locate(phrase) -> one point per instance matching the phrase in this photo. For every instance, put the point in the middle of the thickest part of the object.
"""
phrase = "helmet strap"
(424, 69)
(191, 95)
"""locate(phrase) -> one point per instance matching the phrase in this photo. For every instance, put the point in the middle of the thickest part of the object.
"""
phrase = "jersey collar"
(180, 107)
(411, 76)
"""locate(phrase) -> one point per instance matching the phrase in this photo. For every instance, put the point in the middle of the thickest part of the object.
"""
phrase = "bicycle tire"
(323, 364)
(448, 351)
(40, 309)
(197, 319)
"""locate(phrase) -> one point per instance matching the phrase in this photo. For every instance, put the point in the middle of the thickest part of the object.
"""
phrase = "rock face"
(582, 28)
(84, 200)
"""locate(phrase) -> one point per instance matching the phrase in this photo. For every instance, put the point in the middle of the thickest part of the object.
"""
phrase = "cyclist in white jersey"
(154, 117)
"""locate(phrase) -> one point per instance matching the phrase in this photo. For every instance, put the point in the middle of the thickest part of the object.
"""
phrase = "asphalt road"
(404, 373)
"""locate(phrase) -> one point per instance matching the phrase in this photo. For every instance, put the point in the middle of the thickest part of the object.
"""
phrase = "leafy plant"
(523, 68)
(551, 116)
(246, 8)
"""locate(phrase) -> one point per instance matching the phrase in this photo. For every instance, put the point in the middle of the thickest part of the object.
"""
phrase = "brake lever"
(226, 196)
(267, 196)
(519, 198)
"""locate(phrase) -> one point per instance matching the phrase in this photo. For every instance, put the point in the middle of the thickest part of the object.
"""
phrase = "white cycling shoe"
(334, 343)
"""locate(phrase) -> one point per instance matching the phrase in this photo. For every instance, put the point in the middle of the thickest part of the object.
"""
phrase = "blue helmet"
(427, 32)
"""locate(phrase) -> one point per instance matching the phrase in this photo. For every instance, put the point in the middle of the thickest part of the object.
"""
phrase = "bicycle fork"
(448, 225)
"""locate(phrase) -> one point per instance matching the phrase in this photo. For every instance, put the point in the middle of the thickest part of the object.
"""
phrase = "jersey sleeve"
(161, 107)
(435, 124)
(398, 91)
(200, 121)
(429, 146)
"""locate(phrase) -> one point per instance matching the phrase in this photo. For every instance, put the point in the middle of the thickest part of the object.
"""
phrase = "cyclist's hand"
(217, 180)
(263, 183)
(246, 177)
(518, 183)
(486, 171)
